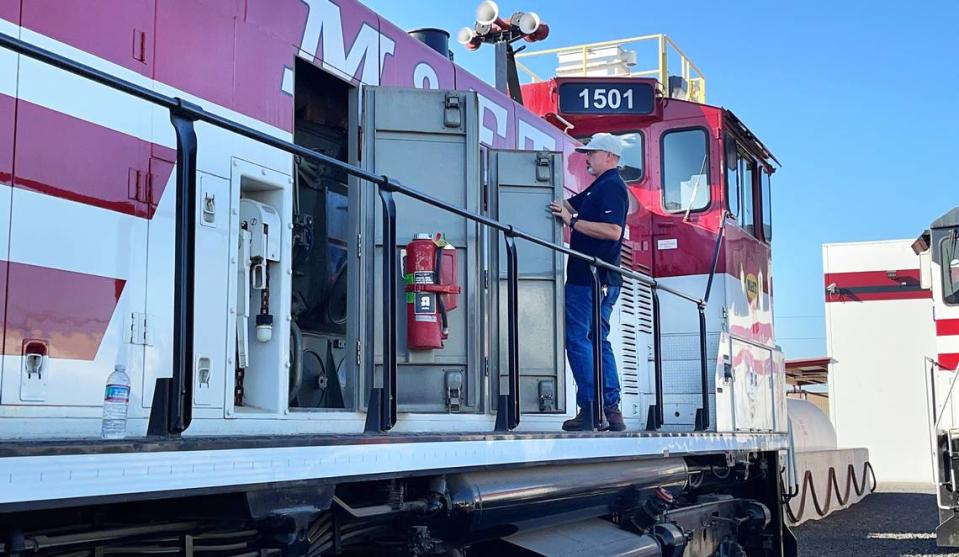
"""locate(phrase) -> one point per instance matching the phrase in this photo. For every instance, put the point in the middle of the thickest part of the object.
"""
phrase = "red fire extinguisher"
(431, 290)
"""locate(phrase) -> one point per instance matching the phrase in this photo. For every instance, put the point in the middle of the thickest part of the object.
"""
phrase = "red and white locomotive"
(202, 191)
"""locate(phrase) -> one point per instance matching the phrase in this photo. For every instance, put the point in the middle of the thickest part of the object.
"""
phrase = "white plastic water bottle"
(116, 399)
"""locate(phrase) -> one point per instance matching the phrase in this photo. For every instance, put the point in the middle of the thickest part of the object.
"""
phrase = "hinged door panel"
(522, 184)
(9, 66)
(427, 140)
(76, 282)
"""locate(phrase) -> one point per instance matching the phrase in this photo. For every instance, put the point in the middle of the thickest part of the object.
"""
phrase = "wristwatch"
(572, 222)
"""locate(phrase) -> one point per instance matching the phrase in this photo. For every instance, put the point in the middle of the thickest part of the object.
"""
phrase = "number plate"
(606, 98)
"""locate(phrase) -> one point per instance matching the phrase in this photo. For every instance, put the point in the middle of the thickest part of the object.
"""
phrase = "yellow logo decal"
(751, 285)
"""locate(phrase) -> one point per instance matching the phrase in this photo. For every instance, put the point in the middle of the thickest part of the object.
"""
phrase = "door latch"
(34, 358)
(452, 113)
(454, 390)
(543, 167)
(209, 208)
(547, 396)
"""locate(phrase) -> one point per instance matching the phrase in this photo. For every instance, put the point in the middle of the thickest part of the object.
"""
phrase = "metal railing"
(665, 46)
(171, 412)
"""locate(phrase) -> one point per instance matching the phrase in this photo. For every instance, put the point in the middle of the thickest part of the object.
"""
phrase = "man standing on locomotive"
(596, 217)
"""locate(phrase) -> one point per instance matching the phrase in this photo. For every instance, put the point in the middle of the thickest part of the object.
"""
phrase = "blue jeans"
(579, 343)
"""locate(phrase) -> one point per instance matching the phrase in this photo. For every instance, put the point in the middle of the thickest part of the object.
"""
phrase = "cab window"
(631, 162)
(747, 173)
(741, 169)
(732, 177)
(949, 247)
(766, 193)
(685, 170)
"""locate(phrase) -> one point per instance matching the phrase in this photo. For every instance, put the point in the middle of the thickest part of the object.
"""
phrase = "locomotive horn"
(468, 38)
(465, 36)
(488, 13)
(542, 31)
(527, 22)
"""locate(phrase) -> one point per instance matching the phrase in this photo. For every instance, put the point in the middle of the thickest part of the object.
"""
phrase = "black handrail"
(508, 409)
(382, 403)
(702, 416)
(381, 408)
(655, 418)
(597, 414)
(181, 384)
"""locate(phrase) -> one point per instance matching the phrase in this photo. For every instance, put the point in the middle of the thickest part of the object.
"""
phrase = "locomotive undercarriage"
(716, 505)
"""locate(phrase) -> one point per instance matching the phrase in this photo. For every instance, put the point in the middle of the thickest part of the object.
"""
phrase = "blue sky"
(859, 101)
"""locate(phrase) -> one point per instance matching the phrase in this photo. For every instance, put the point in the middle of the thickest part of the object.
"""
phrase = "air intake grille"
(637, 318)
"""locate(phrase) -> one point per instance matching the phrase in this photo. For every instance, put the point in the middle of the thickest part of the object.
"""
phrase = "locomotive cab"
(703, 223)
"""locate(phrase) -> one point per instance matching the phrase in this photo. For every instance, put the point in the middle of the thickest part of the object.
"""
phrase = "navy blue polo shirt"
(605, 200)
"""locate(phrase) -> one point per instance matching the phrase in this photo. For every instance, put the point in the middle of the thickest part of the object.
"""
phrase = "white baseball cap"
(603, 142)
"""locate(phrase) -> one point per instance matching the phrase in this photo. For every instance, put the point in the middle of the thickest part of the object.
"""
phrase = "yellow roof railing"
(587, 65)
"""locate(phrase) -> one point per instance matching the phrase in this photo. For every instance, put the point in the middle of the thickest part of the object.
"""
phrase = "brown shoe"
(579, 423)
(615, 418)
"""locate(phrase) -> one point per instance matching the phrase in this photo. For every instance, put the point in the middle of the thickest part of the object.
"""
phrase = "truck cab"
(938, 250)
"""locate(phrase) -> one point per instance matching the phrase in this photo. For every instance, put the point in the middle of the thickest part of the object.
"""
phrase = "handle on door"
(35, 357)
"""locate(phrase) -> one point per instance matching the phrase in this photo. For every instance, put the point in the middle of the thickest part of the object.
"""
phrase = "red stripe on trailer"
(68, 310)
(863, 286)
(90, 164)
(949, 361)
(947, 327)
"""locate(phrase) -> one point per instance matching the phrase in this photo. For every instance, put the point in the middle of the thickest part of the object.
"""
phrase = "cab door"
(753, 358)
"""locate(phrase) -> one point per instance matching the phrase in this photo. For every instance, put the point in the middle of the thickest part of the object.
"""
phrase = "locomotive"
(321, 252)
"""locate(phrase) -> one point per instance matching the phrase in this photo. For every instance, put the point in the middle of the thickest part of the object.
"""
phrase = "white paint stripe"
(947, 344)
(64, 92)
(61, 234)
(96, 62)
(39, 478)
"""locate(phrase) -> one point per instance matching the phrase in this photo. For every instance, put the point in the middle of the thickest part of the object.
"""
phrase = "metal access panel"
(752, 386)
(522, 183)
(427, 140)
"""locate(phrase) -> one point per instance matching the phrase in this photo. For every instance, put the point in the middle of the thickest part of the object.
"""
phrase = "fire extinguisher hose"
(440, 302)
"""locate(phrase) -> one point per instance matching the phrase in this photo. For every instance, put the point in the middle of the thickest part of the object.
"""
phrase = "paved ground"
(893, 521)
